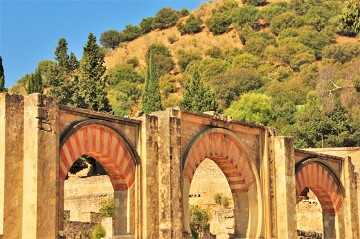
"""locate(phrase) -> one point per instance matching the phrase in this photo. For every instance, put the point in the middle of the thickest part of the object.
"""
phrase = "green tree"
(35, 83)
(165, 18)
(61, 55)
(317, 128)
(146, 24)
(2, 77)
(252, 108)
(126, 87)
(110, 39)
(197, 97)
(234, 82)
(219, 23)
(151, 98)
(192, 25)
(48, 69)
(350, 18)
(185, 58)
(273, 9)
(162, 58)
(343, 52)
(130, 33)
(60, 77)
(285, 20)
(73, 62)
(246, 15)
(91, 92)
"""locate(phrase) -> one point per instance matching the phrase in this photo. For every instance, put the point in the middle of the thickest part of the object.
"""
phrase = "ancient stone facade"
(151, 162)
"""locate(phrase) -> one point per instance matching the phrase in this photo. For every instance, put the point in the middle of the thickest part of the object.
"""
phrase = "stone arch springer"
(320, 178)
(230, 154)
(98, 139)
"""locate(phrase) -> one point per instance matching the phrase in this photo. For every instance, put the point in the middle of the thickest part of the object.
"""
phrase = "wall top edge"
(97, 115)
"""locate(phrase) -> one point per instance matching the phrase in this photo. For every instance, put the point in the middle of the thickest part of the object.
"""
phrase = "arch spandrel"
(104, 144)
(323, 183)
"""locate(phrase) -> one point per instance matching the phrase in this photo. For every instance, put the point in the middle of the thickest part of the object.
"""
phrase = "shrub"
(214, 52)
(172, 39)
(134, 61)
(199, 220)
(98, 232)
(191, 26)
(107, 208)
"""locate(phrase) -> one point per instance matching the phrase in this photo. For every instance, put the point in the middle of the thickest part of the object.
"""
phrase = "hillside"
(197, 43)
(290, 65)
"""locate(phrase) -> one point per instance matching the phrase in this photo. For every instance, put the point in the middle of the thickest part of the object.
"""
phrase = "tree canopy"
(151, 99)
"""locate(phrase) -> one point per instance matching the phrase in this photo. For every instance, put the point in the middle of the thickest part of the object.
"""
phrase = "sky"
(30, 30)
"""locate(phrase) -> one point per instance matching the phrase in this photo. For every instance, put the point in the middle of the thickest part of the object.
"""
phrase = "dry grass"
(345, 39)
(197, 43)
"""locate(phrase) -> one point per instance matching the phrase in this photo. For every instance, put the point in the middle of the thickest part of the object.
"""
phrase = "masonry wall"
(85, 195)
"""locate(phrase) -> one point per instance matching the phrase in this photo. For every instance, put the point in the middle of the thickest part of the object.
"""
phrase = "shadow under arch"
(229, 153)
(320, 178)
(98, 139)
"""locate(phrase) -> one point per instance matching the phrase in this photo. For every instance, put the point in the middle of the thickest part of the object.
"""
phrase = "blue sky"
(30, 30)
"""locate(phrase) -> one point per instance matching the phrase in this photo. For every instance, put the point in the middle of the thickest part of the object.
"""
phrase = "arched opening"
(226, 150)
(309, 215)
(112, 152)
(319, 179)
(210, 191)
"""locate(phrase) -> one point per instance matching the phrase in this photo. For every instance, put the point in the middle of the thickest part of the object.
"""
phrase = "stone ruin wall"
(83, 195)
(309, 214)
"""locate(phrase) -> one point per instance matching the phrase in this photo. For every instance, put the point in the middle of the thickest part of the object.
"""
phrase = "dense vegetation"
(291, 71)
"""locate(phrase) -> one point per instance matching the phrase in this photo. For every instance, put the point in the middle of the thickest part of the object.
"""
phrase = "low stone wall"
(79, 230)
(309, 235)
(83, 196)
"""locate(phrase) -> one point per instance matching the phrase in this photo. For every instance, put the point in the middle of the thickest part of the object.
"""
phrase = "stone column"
(285, 194)
(350, 222)
(41, 167)
(11, 164)
(265, 173)
(241, 214)
(121, 217)
(329, 225)
(169, 172)
(149, 177)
